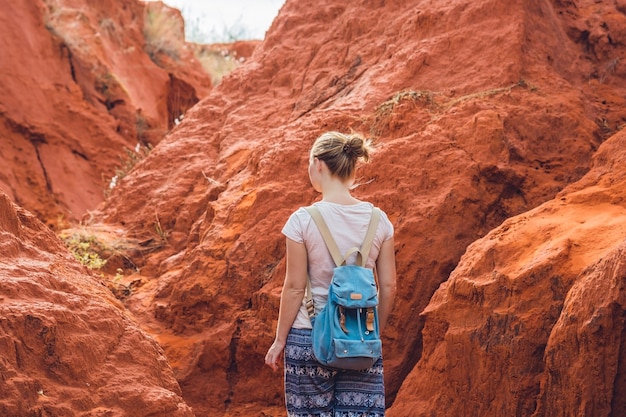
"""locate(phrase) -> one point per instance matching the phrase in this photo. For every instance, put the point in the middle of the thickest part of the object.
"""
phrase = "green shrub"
(86, 249)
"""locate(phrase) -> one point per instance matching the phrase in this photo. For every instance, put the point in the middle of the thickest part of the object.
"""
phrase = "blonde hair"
(341, 152)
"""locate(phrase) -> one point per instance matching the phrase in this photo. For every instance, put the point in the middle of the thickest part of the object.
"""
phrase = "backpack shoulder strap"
(328, 238)
(369, 236)
(362, 253)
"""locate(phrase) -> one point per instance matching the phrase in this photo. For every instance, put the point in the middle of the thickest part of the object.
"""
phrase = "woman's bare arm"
(290, 298)
(386, 270)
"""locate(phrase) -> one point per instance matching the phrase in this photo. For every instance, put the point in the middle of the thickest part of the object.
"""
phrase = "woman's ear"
(317, 164)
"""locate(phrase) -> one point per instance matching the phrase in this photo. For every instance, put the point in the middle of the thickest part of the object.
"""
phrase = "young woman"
(310, 388)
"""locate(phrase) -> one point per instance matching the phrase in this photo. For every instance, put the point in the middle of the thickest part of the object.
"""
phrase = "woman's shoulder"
(360, 206)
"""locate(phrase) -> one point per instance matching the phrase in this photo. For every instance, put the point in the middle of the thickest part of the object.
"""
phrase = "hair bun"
(341, 151)
(356, 146)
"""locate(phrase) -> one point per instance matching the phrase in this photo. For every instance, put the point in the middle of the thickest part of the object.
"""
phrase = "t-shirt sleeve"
(293, 228)
(388, 226)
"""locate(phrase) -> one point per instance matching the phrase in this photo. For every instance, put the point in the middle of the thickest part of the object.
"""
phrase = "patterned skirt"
(313, 390)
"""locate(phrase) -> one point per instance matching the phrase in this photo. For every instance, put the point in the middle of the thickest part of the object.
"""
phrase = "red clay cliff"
(499, 160)
(87, 88)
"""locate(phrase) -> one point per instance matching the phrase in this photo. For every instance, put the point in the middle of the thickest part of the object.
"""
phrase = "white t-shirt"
(348, 226)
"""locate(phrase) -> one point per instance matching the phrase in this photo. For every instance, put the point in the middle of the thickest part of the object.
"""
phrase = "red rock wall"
(499, 162)
(481, 111)
(78, 88)
(67, 346)
(531, 321)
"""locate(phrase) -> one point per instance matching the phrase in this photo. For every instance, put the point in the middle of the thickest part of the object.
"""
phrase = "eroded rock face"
(67, 346)
(481, 111)
(79, 90)
(531, 322)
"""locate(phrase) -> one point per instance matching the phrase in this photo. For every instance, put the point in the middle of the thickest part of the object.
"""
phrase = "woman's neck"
(338, 192)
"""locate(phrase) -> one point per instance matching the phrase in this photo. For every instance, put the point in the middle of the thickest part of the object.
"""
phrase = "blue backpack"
(345, 332)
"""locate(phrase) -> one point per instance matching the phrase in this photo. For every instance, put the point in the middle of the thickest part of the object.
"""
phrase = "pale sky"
(217, 20)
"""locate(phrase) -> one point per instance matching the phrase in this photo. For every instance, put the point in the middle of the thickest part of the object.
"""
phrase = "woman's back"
(348, 225)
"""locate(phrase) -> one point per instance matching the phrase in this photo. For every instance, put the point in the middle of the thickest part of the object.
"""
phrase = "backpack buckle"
(310, 308)
(342, 319)
(369, 319)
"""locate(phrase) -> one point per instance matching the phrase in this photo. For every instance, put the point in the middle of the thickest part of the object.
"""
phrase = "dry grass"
(434, 103)
(110, 249)
(217, 62)
(384, 111)
(133, 156)
(164, 33)
(487, 93)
